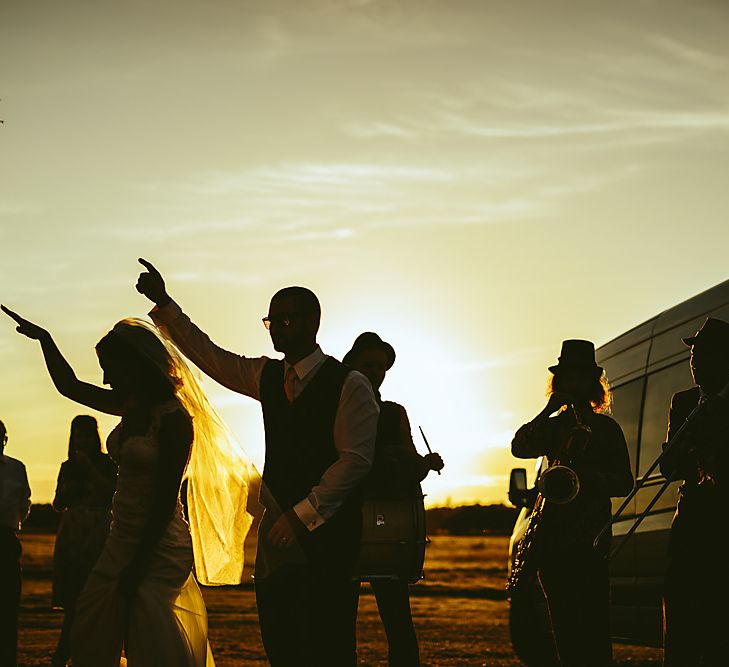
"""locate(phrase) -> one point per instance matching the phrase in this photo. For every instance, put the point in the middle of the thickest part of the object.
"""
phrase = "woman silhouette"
(581, 435)
(84, 489)
(141, 596)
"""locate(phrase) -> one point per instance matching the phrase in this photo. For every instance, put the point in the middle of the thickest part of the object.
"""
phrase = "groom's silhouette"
(320, 420)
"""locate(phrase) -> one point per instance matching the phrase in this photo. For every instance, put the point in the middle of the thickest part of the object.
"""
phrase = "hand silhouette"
(25, 327)
(434, 461)
(284, 533)
(152, 285)
(558, 400)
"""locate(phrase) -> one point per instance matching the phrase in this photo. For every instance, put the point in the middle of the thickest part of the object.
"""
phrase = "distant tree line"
(472, 520)
(42, 519)
(464, 520)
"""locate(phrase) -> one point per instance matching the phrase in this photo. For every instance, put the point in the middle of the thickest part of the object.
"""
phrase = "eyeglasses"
(282, 319)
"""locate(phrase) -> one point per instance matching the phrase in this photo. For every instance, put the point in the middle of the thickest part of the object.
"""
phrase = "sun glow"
(475, 184)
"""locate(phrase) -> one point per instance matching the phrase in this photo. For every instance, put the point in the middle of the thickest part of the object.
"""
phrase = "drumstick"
(425, 440)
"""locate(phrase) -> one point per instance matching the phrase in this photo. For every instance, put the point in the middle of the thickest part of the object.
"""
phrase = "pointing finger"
(9, 312)
(148, 265)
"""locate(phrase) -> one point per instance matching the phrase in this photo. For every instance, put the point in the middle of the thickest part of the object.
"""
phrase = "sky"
(474, 181)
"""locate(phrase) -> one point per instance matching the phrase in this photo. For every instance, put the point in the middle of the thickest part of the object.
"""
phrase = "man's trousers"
(308, 617)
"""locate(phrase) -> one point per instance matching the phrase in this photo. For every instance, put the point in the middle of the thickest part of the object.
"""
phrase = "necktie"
(289, 383)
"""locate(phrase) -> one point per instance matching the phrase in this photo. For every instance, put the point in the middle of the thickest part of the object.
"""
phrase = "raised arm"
(62, 375)
(236, 372)
(535, 438)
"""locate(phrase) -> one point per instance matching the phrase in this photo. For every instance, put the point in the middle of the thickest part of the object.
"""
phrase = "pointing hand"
(25, 327)
(152, 285)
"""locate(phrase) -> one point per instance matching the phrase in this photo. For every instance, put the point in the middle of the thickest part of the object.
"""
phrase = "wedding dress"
(165, 622)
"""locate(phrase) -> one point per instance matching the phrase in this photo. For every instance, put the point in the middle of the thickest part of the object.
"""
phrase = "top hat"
(579, 354)
(370, 341)
(713, 332)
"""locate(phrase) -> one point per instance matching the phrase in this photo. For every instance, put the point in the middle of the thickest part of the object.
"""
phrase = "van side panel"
(651, 357)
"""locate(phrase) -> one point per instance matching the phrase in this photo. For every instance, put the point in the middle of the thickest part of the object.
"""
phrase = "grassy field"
(460, 612)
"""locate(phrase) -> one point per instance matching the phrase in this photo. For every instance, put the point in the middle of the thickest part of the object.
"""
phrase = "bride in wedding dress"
(142, 598)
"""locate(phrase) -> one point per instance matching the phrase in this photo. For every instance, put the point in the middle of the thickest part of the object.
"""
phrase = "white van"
(645, 366)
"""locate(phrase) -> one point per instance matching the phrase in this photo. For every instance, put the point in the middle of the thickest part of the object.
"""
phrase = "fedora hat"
(713, 332)
(370, 341)
(577, 354)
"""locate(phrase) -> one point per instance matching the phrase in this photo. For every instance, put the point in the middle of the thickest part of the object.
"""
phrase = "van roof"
(657, 342)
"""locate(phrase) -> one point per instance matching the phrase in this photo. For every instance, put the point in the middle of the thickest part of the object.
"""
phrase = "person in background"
(694, 599)
(396, 473)
(574, 574)
(85, 486)
(14, 509)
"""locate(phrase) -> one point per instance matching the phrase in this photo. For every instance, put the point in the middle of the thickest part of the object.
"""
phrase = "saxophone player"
(572, 573)
(696, 615)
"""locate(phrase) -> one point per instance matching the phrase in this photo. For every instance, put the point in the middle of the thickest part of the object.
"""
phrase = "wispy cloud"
(176, 229)
(505, 360)
(609, 120)
(688, 54)
(380, 129)
(314, 201)
(342, 234)
(217, 277)
(309, 177)
(299, 202)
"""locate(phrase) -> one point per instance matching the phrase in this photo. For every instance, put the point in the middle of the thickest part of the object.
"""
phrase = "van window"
(659, 390)
(627, 399)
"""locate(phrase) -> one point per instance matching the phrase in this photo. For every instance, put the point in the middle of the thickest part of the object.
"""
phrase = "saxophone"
(523, 568)
(558, 484)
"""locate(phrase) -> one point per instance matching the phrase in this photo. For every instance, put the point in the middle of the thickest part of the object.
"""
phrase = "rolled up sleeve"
(355, 431)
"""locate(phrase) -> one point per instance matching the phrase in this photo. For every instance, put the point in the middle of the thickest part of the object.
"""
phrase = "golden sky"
(475, 181)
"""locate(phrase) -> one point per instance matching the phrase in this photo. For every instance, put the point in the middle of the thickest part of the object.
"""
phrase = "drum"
(393, 540)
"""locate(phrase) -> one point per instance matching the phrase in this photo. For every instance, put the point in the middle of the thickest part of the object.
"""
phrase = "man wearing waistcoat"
(320, 420)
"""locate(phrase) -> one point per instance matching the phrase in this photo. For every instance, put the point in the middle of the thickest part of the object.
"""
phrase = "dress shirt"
(14, 493)
(355, 423)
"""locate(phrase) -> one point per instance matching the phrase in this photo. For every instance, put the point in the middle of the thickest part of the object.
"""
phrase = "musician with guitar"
(696, 615)
(589, 464)
(396, 474)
